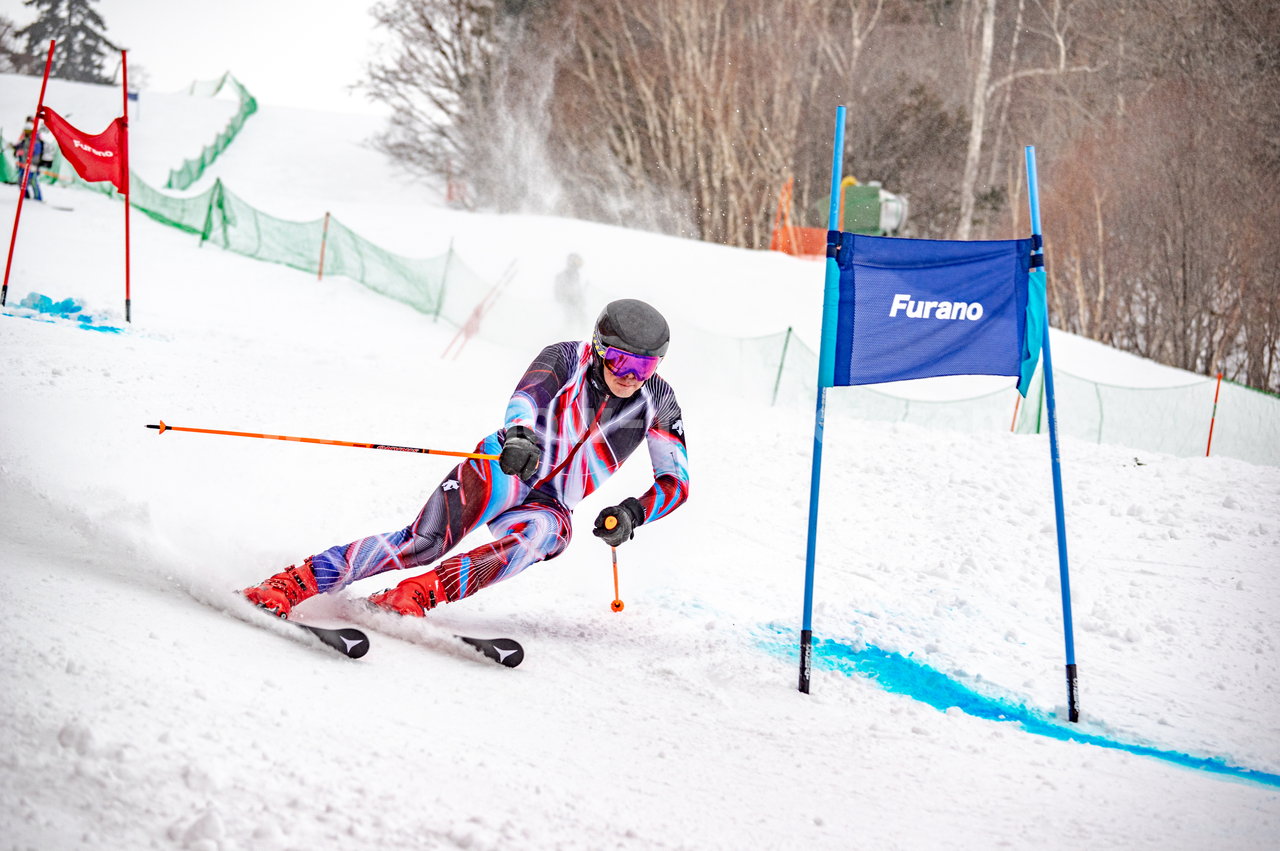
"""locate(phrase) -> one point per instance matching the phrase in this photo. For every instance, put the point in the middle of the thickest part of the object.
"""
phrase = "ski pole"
(616, 605)
(478, 455)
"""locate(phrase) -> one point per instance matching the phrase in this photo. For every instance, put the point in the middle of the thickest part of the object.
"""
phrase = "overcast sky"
(286, 52)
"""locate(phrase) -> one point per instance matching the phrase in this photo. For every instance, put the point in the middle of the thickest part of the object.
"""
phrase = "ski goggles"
(623, 364)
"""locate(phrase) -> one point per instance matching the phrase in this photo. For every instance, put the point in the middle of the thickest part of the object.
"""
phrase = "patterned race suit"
(585, 433)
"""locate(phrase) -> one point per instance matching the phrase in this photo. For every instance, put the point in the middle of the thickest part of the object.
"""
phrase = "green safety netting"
(1170, 420)
(442, 286)
(777, 369)
(190, 171)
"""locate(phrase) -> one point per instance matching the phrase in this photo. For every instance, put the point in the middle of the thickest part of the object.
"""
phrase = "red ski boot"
(286, 589)
(415, 596)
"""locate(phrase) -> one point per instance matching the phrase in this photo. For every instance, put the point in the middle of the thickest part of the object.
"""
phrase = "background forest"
(1156, 124)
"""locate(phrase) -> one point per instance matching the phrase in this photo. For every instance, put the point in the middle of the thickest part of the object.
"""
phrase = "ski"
(348, 641)
(354, 643)
(505, 651)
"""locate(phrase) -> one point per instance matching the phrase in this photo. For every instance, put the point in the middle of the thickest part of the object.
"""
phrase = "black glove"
(629, 514)
(519, 453)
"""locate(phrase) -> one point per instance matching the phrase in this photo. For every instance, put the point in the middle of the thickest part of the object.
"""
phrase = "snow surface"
(141, 710)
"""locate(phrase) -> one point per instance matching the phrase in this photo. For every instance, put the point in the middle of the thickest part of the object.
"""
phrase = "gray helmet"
(633, 326)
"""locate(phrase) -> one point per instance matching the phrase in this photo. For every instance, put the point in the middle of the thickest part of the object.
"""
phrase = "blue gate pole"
(1073, 685)
(826, 372)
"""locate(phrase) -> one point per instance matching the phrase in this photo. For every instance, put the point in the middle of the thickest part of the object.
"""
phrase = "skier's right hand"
(520, 454)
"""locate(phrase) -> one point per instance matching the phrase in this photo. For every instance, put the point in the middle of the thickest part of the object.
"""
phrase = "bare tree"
(695, 99)
(1156, 122)
(441, 79)
(977, 115)
(1046, 45)
(1160, 206)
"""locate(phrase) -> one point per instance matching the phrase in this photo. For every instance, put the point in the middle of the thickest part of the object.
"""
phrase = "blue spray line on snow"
(41, 308)
(899, 674)
(54, 320)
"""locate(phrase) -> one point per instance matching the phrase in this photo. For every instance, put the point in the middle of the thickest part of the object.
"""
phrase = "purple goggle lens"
(622, 363)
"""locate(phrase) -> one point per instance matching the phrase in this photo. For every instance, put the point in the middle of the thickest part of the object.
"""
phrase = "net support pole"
(26, 173)
(1073, 686)
(826, 371)
(782, 360)
(1214, 416)
(324, 240)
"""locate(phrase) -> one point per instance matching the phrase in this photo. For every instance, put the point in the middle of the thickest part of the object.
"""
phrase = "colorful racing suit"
(585, 433)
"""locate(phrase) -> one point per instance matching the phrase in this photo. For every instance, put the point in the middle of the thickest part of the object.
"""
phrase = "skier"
(569, 289)
(579, 411)
(21, 148)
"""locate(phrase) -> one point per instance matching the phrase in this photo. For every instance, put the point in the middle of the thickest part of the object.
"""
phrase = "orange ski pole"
(479, 455)
(616, 605)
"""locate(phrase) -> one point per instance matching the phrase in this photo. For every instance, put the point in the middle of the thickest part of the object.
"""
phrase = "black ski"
(504, 651)
(348, 641)
(354, 643)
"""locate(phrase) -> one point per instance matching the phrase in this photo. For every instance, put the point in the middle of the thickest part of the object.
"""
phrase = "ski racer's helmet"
(631, 337)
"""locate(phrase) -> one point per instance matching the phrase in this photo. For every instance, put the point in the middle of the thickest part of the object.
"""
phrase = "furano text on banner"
(917, 308)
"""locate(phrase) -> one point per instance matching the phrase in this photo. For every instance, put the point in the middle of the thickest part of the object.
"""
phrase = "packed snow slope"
(143, 708)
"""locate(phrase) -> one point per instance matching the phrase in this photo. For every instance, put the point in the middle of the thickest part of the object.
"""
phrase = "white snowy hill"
(142, 710)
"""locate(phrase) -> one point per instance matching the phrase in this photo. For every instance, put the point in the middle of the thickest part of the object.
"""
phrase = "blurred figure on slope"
(569, 290)
(580, 410)
(20, 151)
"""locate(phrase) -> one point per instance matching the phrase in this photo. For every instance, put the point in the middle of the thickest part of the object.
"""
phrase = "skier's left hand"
(629, 514)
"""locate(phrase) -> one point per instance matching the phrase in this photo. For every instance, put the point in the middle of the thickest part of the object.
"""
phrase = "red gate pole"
(124, 79)
(1216, 390)
(26, 172)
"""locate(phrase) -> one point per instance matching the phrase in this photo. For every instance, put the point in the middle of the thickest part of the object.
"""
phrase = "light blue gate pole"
(826, 373)
(1073, 685)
